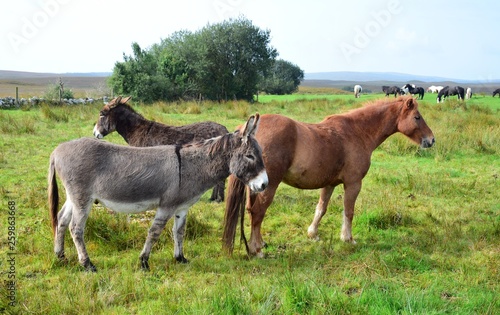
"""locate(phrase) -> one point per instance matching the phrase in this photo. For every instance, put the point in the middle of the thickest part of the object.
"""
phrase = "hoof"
(181, 259)
(217, 199)
(61, 257)
(144, 264)
(89, 266)
(348, 240)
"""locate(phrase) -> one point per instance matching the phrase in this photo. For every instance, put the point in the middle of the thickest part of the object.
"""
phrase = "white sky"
(454, 39)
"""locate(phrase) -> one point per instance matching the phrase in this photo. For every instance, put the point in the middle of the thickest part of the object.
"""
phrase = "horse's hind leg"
(63, 220)
(77, 228)
(351, 193)
(178, 231)
(161, 218)
(324, 199)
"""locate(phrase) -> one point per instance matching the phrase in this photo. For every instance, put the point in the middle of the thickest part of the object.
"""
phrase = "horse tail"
(235, 206)
(53, 194)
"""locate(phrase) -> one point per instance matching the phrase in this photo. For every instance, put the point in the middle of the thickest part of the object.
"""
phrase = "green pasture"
(427, 225)
(477, 99)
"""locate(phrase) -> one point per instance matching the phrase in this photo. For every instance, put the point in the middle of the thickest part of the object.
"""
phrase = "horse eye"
(417, 117)
(250, 157)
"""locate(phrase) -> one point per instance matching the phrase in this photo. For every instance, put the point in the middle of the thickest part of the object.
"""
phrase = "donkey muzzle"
(97, 134)
(259, 183)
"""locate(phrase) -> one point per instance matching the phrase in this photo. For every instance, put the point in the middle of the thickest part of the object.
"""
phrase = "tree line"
(229, 60)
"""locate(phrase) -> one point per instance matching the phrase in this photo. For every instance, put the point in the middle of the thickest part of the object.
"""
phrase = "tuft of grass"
(9, 125)
(55, 114)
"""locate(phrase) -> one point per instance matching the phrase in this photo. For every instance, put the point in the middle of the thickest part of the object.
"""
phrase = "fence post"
(17, 96)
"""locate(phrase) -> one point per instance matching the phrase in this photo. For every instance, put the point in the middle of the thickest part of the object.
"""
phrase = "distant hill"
(16, 75)
(383, 76)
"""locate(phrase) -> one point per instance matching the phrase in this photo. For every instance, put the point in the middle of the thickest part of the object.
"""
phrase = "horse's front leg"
(351, 193)
(257, 209)
(324, 199)
(161, 218)
(178, 230)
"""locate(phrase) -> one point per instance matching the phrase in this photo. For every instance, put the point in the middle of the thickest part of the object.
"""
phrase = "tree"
(138, 76)
(235, 54)
(284, 78)
(220, 62)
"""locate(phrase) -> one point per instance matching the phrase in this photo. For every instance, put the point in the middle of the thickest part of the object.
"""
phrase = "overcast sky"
(453, 39)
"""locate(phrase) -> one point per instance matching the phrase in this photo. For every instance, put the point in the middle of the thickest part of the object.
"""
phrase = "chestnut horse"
(312, 156)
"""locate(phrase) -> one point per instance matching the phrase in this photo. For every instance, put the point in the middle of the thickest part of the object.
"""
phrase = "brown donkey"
(321, 156)
(140, 132)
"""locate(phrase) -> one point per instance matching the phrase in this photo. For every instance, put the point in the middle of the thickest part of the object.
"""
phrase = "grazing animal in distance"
(357, 90)
(137, 131)
(450, 91)
(321, 156)
(497, 91)
(410, 88)
(405, 88)
(432, 89)
(169, 178)
(391, 90)
(468, 94)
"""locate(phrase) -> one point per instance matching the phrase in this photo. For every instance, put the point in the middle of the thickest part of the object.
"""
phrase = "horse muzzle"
(427, 142)
(259, 183)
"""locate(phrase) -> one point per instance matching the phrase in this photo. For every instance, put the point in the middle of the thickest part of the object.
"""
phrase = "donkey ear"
(115, 102)
(251, 125)
(125, 100)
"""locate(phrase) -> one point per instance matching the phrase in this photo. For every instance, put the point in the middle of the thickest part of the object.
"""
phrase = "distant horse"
(447, 91)
(405, 88)
(311, 156)
(410, 88)
(432, 89)
(135, 179)
(468, 94)
(357, 90)
(497, 91)
(391, 90)
(140, 132)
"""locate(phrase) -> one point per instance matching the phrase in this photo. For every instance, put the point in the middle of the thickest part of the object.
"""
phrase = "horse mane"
(385, 101)
(379, 104)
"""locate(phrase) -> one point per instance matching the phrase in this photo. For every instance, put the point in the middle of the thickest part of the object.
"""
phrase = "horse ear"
(410, 103)
(251, 125)
(125, 100)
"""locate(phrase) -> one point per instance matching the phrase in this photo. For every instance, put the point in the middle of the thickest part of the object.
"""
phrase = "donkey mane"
(216, 145)
(131, 111)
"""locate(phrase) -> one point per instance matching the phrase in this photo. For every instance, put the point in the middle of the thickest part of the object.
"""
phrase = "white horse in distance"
(357, 90)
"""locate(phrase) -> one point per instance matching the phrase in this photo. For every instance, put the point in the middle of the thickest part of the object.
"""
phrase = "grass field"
(427, 223)
(80, 86)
